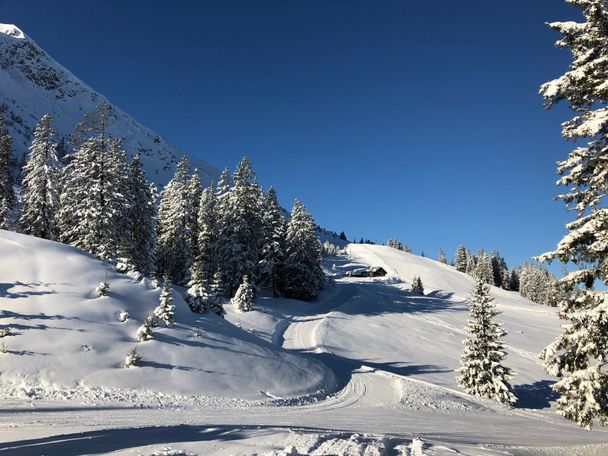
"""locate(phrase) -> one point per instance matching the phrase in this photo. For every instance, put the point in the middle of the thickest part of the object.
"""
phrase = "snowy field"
(366, 369)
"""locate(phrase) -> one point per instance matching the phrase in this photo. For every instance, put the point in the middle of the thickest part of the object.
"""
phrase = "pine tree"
(7, 164)
(217, 294)
(417, 286)
(483, 268)
(578, 356)
(133, 359)
(141, 218)
(173, 255)
(244, 296)
(471, 263)
(93, 203)
(273, 250)
(514, 279)
(41, 184)
(224, 183)
(482, 373)
(240, 231)
(442, 258)
(302, 273)
(461, 259)
(144, 332)
(165, 311)
(500, 271)
(199, 295)
(195, 192)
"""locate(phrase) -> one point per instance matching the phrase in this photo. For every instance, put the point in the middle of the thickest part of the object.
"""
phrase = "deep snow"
(384, 357)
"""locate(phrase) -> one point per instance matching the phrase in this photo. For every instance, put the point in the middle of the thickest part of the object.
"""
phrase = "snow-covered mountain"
(32, 84)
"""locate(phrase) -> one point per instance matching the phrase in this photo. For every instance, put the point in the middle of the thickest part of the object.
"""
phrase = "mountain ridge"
(33, 84)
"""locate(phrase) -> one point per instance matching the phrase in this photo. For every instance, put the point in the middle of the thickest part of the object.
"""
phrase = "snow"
(12, 30)
(368, 368)
(33, 84)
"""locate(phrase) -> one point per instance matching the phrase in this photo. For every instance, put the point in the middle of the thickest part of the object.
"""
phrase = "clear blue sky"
(407, 119)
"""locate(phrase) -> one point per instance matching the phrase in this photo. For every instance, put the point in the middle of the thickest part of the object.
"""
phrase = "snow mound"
(65, 339)
(12, 30)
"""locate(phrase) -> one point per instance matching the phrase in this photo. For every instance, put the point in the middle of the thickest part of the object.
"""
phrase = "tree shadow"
(5, 287)
(537, 395)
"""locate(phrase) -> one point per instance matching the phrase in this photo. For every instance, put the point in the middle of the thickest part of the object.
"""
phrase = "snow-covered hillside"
(33, 84)
(63, 335)
(383, 358)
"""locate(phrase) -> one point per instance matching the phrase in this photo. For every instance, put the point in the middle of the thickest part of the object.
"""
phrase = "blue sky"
(413, 120)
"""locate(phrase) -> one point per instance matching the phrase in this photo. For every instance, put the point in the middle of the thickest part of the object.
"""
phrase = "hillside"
(32, 84)
(63, 335)
(383, 358)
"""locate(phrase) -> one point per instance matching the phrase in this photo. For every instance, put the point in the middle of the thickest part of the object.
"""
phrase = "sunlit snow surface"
(366, 369)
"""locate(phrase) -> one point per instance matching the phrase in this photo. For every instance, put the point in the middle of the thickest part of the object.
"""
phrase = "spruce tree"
(578, 356)
(141, 218)
(273, 249)
(92, 203)
(173, 254)
(417, 286)
(7, 164)
(224, 183)
(302, 273)
(471, 263)
(240, 231)
(199, 295)
(165, 311)
(461, 259)
(195, 191)
(243, 298)
(482, 373)
(442, 258)
(483, 268)
(217, 294)
(41, 184)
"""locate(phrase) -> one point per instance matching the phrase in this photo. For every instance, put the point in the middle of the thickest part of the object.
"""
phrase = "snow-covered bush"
(144, 332)
(243, 298)
(5, 332)
(133, 359)
(103, 288)
(123, 316)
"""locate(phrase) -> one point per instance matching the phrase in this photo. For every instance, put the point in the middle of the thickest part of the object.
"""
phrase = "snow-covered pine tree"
(92, 202)
(41, 183)
(460, 260)
(165, 311)
(578, 357)
(500, 271)
(514, 279)
(141, 218)
(133, 359)
(224, 183)
(302, 273)
(199, 296)
(273, 249)
(217, 294)
(144, 332)
(442, 258)
(173, 255)
(243, 298)
(195, 191)
(482, 373)
(240, 229)
(483, 268)
(7, 164)
(471, 263)
(417, 286)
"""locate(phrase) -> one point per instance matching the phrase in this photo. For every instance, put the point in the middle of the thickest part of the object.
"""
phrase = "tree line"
(210, 239)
